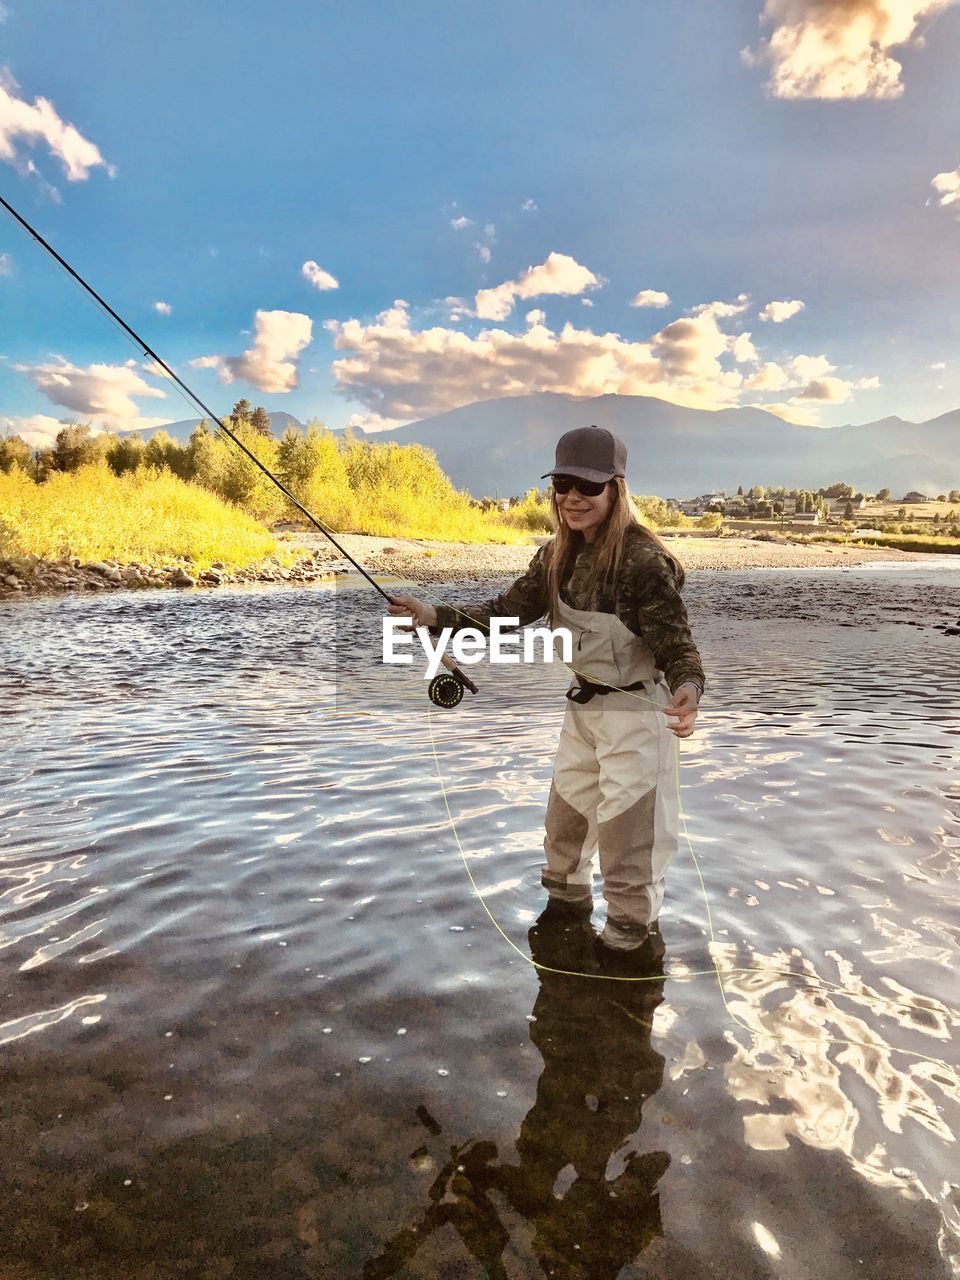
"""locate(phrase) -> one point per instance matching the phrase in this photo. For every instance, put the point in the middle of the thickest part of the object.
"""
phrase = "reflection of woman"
(616, 587)
(582, 1178)
(582, 1184)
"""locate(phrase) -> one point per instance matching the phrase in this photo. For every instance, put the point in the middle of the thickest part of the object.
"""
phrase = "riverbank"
(420, 560)
(21, 578)
(425, 561)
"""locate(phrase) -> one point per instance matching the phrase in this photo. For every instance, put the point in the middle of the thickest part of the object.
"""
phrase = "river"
(256, 1021)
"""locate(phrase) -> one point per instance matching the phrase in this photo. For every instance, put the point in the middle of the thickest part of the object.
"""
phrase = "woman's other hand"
(683, 705)
(420, 613)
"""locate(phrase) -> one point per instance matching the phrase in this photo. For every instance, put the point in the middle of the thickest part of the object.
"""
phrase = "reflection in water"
(583, 1183)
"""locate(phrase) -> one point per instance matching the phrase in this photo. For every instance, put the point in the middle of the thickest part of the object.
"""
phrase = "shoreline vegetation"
(96, 512)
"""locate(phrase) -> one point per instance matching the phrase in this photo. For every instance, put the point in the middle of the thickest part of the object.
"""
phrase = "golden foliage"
(147, 515)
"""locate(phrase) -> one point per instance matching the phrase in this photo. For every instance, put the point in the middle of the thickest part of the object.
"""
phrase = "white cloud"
(27, 169)
(40, 431)
(315, 275)
(457, 308)
(828, 390)
(461, 223)
(650, 298)
(807, 368)
(163, 308)
(398, 373)
(586, 302)
(941, 364)
(271, 363)
(483, 252)
(777, 312)
(559, 274)
(4, 13)
(6, 264)
(836, 49)
(947, 186)
(371, 422)
(834, 390)
(723, 310)
(744, 352)
(769, 377)
(39, 122)
(691, 349)
(401, 373)
(812, 380)
(795, 414)
(103, 393)
(489, 230)
(529, 205)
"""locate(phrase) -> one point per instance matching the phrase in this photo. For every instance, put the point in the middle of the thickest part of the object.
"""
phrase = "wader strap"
(585, 689)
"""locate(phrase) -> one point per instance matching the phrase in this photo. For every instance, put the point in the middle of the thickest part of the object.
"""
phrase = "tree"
(77, 446)
(14, 452)
(953, 495)
(241, 481)
(42, 465)
(126, 454)
(739, 490)
(260, 421)
(241, 414)
(848, 511)
(883, 495)
(839, 490)
(163, 451)
(204, 456)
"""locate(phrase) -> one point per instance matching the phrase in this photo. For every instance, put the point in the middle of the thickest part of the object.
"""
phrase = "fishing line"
(194, 401)
(716, 970)
(194, 398)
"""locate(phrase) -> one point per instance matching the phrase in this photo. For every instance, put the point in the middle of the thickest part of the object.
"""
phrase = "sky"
(375, 212)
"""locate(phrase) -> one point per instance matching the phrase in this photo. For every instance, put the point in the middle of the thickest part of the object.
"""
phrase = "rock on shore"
(43, 577)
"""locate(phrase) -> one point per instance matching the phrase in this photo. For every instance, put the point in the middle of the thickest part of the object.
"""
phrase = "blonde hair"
(608, 547)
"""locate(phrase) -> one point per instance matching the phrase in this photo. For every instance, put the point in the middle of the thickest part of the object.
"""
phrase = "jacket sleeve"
(655, 611)
(526, 599)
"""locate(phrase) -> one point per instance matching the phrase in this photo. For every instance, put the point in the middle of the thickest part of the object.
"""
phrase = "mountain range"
(502, 447)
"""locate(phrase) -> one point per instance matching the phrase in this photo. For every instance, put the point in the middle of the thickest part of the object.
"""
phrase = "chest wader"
(614, 784)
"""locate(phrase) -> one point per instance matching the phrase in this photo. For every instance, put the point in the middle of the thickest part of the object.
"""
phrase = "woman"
(616, 587)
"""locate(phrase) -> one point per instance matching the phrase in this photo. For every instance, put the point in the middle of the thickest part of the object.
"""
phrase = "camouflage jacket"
(645, 598)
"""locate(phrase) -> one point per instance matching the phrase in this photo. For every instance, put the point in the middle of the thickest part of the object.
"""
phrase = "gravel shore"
(421, 560)
(414, 560)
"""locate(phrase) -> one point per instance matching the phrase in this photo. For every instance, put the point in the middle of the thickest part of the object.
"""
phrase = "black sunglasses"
(586, 488)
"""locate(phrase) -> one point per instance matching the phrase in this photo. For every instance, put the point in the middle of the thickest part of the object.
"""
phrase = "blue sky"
(490, 188)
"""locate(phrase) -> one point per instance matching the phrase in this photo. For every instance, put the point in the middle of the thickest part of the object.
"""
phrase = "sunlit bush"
(531, 514)
(147, 515)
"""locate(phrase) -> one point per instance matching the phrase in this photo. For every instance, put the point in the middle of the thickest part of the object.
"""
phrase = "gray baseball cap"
(592, 453)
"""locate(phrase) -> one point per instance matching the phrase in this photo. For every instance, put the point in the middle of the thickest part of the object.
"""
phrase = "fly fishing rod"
(445, 689)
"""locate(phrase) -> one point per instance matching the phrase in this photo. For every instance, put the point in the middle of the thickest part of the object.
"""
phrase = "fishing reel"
(446, 689)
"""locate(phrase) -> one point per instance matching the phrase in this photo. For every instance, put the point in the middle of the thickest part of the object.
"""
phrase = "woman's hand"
(683, 705)
(421, 613)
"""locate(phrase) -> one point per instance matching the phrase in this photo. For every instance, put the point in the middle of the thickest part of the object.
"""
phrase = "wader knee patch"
(566, 829)
(626, 844)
